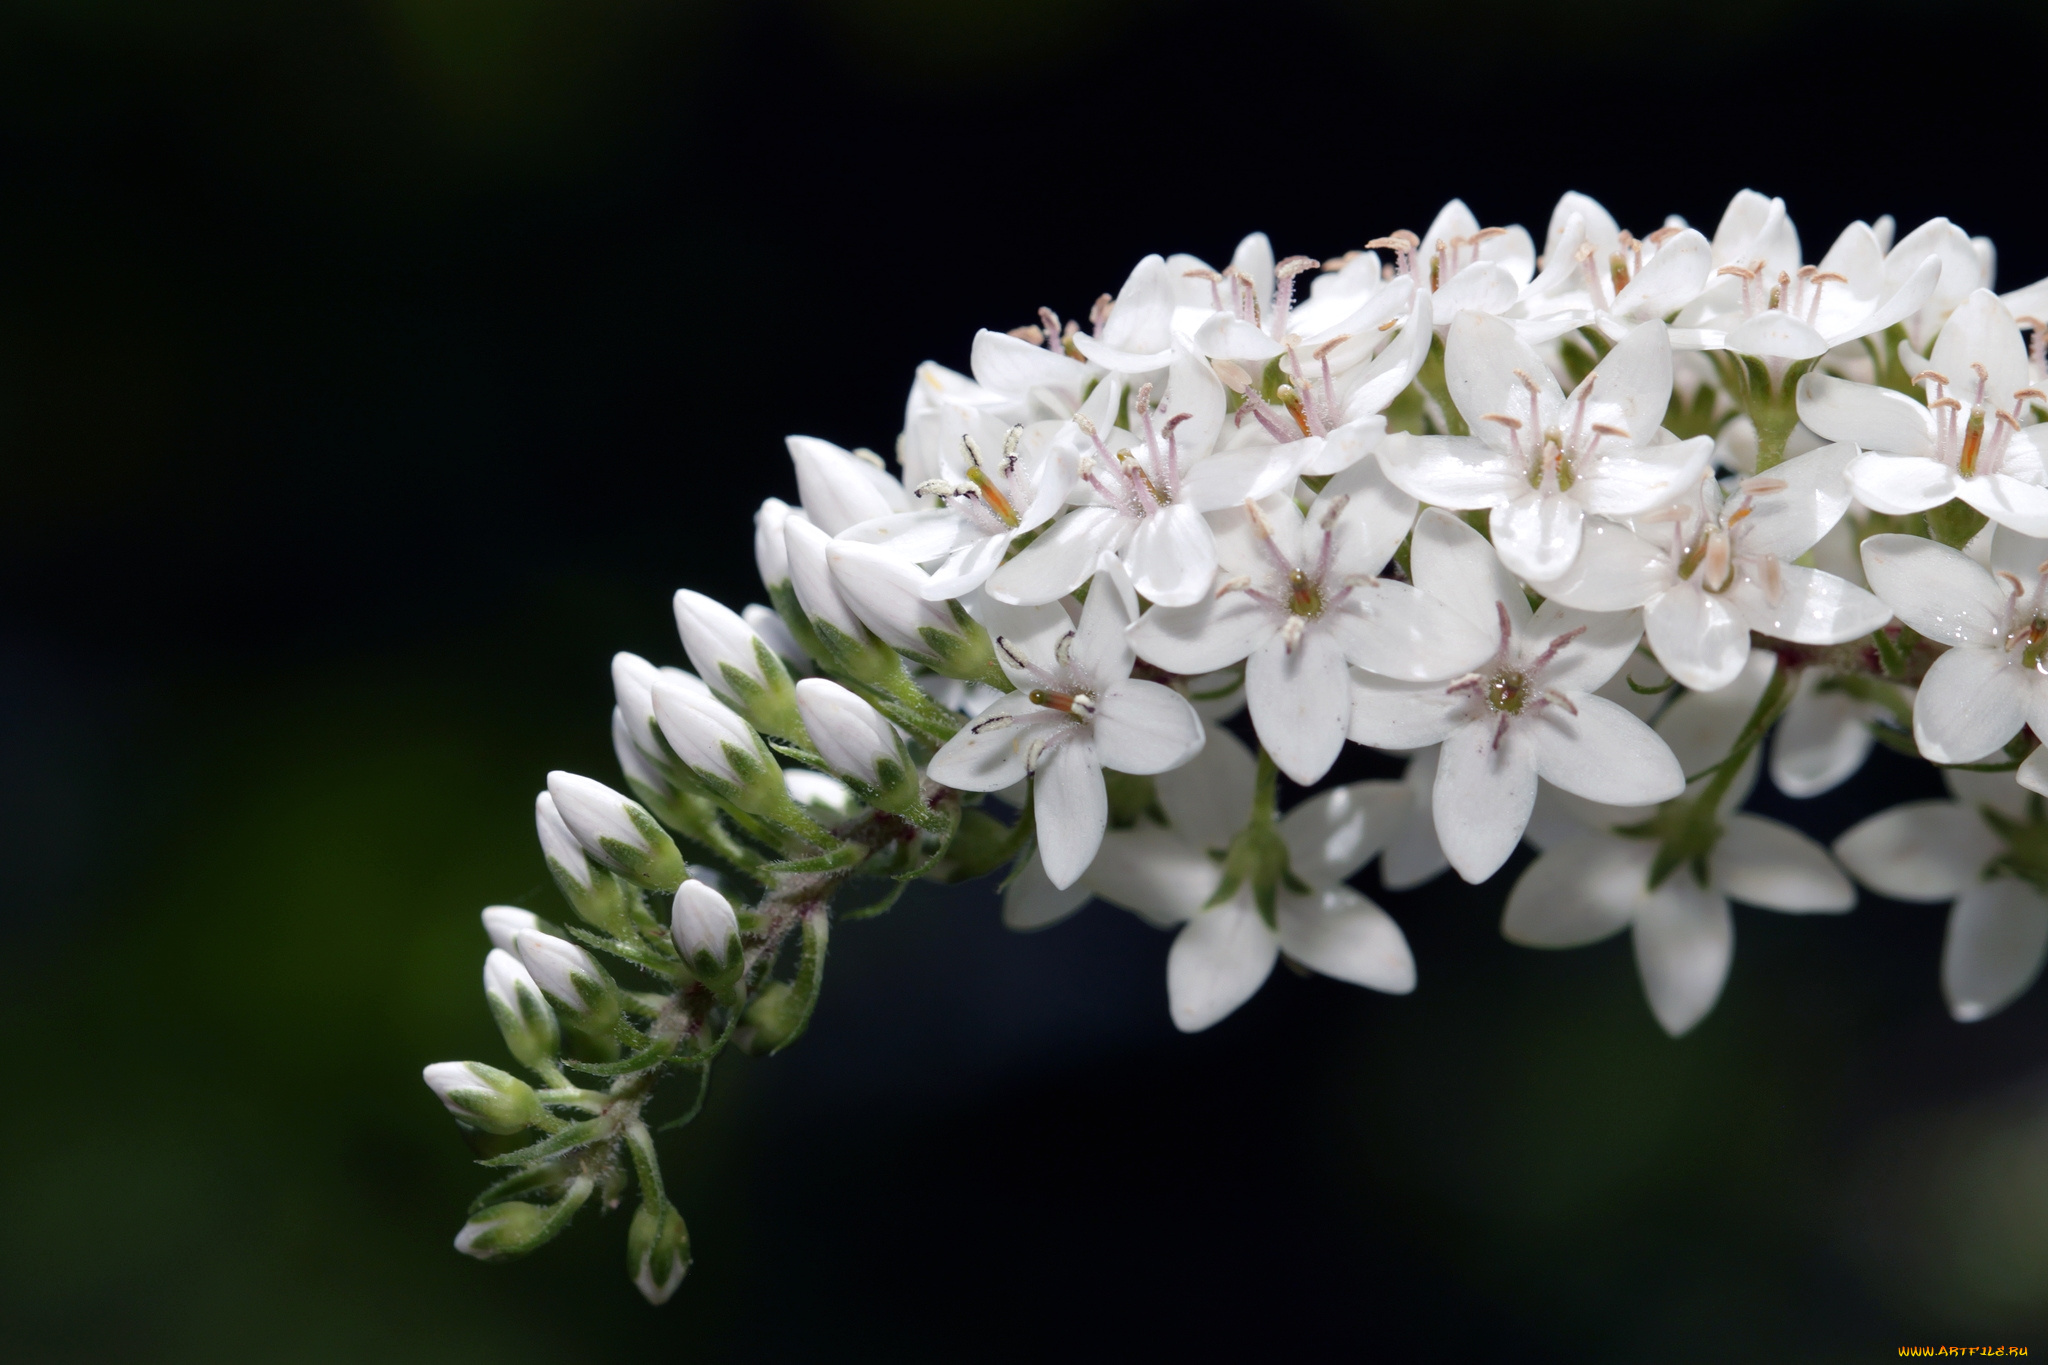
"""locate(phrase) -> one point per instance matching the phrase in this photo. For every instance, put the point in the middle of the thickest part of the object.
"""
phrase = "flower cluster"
(1573, 526)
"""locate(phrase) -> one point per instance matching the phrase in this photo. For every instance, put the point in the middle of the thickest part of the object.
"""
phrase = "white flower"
(1592, 881)
(1073, 714)
(1583, 890)
(1144, 503)
(1414, 856)
(1299, 598)
(1965, 441)
(1931, 851)
(993, 487)
(842, 488)
(1765, 303)
(1137, 335)
(1595, 274)
(769, 555)
(1543, 461)
(1710, 569)
(1527, 712)
(1994, 677)
(1967, 264)
(1463, 265)
(1222, 954)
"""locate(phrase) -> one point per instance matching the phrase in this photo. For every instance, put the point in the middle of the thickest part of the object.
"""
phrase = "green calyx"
(2026, 843)
(770, 705)
(1257, 857)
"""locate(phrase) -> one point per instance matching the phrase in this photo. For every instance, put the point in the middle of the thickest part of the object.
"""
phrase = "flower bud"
(810, 573)
(503, 1231)
(592, 891)
(841, 489)
(633, 683)
(770, 626)
(769, 555)
(503, 921)
(648, 782)
(657, 1251)
(823, 795)
(570, 979)
(618, 832)
(888, 595)
(707, 934)
(737, 664)
(483, 1096)
(714, 743)
(857, 743)
(523, 1017)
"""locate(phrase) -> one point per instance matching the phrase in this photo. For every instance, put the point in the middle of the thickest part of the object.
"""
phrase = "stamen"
(1559, 643)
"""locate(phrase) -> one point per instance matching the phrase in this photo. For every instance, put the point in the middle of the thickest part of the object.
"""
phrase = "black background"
(370, 372)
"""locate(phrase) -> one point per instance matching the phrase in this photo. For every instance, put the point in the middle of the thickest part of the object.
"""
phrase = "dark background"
(370, 372)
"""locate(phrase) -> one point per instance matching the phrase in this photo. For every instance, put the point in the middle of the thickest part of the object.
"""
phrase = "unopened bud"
(770, 626)
(737, 664)
(810, 573)
(591, 890)
(648, 782)
(570, 979)
(503, 921)
(617, 831)
(840, 489)
(888, 595)
(857, 743)
(707, 934)
(503, 1231)
(657, 1252)
(523, 1016)
(714, 743)
(483, 1096)
(769, 555)
(633, 683)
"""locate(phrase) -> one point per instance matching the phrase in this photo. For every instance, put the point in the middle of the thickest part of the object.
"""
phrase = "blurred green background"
(370, 372)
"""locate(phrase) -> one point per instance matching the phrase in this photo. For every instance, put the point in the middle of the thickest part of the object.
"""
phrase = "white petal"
(1537, 535)
(1696, 636)
(1142, 319)
(1071, 809)
(1616, 569)
(1883, 420)
(1100, 648)
(1602, 644)
(1227, 477)
(1399, 631)
(1333, 834)
(1450, 471)
(967, 568)
(1701, 726)
(1454, 564)
(1401, 715)
(1204, 637)
(1211, 794)
(1012, 365)
(1822, 741)
(1996, 936)
(2033, 773)
(1579, 892)
(917, 537)
(2008, 501)
(986, 755)
(1806, 605)
(1033, 902)
(1484, 368)
(1684, 941)
(1604, 754)
(1375, 519)
(1144, 727)
(1777, 336)
(1971, 702)
(1483, 796)
(1217, 962)
(1788, 523)
(1348, 445)
(1919, 851)
(1900, 485)
(1154, 874)
(1172, 556)
(1346, 937)
(1415, 856)
(1062, 558)
(839, 489)
(1982, 332)
(1300, 701)
(1942, 593)
(1761, 862)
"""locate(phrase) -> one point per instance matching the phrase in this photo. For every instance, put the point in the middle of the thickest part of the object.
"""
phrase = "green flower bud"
(617, 832)
(503, 1231)
(571, 980)
(707, 935)
(523, 1016)
(657, 1252)
(493, 1100)
(590, 888)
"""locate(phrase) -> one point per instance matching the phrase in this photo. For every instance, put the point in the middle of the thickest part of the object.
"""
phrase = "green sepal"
(980, 846)
(524, 1182)
(876, 908)
(654, 1055)
(1955, 523)
(580, 1134)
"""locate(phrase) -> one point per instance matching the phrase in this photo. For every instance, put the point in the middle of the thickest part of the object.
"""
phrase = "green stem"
(646, 1164)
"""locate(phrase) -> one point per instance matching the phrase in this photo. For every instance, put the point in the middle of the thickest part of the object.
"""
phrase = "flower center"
(1304, 594)
(1080, 705)
(1975, 444)
(1508, 691)
(986, 500)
